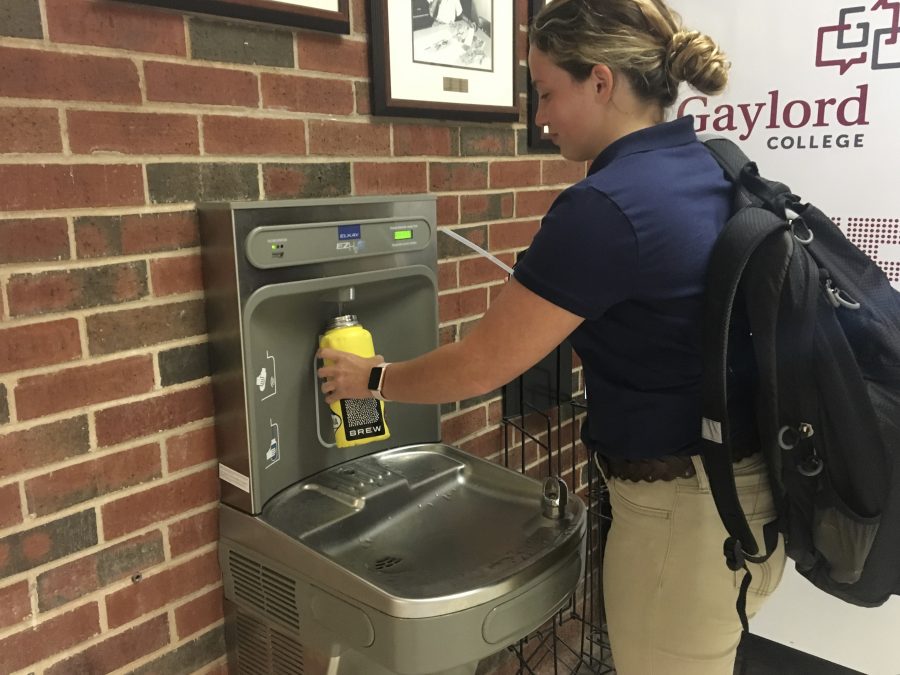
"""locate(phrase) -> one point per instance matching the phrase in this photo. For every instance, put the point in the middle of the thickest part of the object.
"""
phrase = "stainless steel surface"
(423, 530)
(555, 497)
(400, 556)
(274, 274)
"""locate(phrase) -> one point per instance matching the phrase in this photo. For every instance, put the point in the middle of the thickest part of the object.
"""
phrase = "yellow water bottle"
(355, 421)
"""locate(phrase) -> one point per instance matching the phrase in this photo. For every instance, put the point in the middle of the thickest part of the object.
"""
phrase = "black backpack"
(801, 318)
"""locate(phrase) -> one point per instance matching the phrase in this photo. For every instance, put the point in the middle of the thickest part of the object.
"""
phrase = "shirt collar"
(665, 135)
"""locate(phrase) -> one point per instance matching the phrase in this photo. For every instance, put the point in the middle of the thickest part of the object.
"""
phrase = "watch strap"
(376, 381)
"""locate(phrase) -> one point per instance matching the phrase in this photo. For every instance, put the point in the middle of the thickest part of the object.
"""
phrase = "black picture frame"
(424, 65)
(538, 139)
(295, 13)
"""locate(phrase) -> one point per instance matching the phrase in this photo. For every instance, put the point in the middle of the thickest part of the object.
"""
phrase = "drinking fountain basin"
(419, 559)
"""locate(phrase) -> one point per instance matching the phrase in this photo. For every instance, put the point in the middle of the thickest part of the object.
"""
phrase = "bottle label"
(362, 418)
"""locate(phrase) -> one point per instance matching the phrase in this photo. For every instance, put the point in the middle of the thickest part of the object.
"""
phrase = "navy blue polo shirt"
(627, 249)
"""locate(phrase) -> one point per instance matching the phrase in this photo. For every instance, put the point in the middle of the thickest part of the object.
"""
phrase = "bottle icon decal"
(273, 453)
(266, 378)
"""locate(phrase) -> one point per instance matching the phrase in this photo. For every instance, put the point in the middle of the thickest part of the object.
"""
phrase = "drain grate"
(387, 562)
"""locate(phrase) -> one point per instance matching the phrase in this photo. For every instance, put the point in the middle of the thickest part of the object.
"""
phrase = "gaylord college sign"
(747, 118)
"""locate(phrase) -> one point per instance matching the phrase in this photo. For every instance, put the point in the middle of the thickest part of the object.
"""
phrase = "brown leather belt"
(666, 467)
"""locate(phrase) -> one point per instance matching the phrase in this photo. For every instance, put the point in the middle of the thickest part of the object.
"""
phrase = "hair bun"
(694, 58)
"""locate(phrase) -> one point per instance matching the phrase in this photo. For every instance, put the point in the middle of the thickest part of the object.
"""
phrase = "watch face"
(375, 378)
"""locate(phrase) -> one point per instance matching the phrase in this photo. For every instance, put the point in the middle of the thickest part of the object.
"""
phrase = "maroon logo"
(855, 40)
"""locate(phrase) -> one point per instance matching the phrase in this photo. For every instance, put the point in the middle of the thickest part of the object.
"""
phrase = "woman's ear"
(602, 80)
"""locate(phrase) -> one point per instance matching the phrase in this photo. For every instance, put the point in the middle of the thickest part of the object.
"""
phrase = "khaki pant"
(670, 599)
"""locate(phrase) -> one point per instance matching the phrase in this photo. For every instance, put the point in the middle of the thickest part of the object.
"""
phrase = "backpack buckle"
(734, 554)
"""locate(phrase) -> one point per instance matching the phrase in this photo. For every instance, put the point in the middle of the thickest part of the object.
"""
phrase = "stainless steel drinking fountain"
(404, 556)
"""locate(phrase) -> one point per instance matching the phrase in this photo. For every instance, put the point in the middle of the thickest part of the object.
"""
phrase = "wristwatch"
(376, 381)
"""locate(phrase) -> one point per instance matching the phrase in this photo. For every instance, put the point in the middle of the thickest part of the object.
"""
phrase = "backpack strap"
(753, 229)
(775, 196)
(740, 238)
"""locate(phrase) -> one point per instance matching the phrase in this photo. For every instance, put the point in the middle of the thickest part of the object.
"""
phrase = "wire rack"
(540, 429)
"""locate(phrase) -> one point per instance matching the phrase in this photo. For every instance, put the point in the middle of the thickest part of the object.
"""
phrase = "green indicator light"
(402, 234)
(274, 247)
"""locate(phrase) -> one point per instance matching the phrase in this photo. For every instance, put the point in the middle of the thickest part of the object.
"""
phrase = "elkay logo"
(854, 47)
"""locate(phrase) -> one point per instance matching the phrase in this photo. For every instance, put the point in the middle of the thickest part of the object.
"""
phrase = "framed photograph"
(538, 139)
(325, 15)
(447, 59)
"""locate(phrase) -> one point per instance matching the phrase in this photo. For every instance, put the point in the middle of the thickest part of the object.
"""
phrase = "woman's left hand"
(346, 375)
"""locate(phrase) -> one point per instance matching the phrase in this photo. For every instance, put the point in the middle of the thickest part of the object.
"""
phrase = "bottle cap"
(343, 321)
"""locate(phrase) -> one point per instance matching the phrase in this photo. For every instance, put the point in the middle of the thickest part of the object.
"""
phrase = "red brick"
(193, 532)
(456, 176)
(139, 510)
(362, 95)
(452, 306)
(180, 83)
(146, 233)
(80, 482)
(39, 239)
(486, 445)
(448, 210)
(460, 426)
(127, 329)
(109, 24)
(32, 73)
(10, 507)
(332, 54)
(15, 604)
(74, 580)
(26, 550)
(31, 294)
(44, 187)
(358, 18)
(482, 271)
(29, 130)
(495, 141)
(448, 275)
(172, 276)
(524, 173)
(348, 138)
(534, 202)
(42, 395)
(372, 178)
(48, 638)
(39, 344)
(447, 335)
(307, 94)
(199, 613)
(94, 131)
(481, 207)
(118, 650)
(100, 236)
(68, 582)
(512, 234)
(227, 135)
(190, 449)
(556, 171)
(159, 590)
(42, 445)
(318, 179)
(425, 140)
(167, 411)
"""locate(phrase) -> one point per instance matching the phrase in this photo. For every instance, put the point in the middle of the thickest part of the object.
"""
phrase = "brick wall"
(114, 121)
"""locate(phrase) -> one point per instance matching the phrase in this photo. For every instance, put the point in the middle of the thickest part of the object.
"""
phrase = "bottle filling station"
(397, 556)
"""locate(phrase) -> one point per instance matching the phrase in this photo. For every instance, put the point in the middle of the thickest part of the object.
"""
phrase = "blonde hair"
(640, 39)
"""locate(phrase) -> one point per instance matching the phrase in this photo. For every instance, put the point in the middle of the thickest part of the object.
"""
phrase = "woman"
(618, 266)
